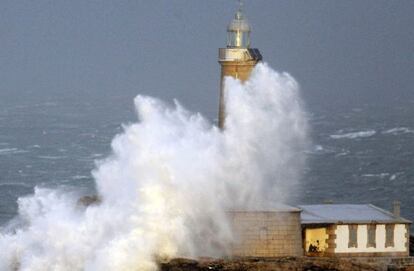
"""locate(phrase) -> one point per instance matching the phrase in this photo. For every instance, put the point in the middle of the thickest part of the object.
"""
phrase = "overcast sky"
(339, 51)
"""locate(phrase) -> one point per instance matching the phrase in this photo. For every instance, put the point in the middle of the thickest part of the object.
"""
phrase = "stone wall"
(266, 234)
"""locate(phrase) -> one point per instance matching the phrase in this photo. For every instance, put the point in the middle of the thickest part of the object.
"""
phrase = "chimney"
(396, 207)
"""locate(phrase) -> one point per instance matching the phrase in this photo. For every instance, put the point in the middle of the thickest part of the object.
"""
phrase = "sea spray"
(167, 186)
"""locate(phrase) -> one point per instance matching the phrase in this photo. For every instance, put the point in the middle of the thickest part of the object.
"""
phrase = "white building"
(354, 230)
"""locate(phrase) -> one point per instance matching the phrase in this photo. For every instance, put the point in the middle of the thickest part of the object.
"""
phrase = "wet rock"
(89, 200)
(274, 264)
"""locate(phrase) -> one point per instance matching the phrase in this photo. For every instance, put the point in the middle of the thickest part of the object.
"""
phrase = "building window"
(353, 236)
(371, 235)
(389, 235)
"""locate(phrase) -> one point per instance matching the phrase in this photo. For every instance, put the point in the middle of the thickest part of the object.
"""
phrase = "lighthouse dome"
(239, 23)
(238, 31)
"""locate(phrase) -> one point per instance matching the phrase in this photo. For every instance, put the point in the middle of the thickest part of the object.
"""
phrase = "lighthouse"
(237, 59)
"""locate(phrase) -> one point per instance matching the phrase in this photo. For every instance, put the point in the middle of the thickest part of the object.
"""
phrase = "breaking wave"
(165, 189)
(353, 135)
(378, 175)
(51, 157)
(8, 151)
(399, 131)
(384, 175)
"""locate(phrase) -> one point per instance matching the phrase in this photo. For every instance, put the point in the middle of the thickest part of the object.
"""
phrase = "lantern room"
(238, 31)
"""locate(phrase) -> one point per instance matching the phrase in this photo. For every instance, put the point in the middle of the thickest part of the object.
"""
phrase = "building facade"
(353, 230)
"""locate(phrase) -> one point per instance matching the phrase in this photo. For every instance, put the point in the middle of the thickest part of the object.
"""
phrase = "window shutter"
(372, 228)
(353, 236)
(389, 235)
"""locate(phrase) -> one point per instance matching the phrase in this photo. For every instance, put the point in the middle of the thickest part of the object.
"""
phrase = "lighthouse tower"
(237, 59)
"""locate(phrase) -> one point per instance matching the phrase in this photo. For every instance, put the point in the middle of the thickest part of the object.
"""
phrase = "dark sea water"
(363, 154)
(359, 154)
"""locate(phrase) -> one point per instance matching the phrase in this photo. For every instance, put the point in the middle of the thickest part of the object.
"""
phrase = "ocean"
(359, 154)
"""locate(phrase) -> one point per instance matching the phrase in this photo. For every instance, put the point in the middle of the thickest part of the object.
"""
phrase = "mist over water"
(168, 183)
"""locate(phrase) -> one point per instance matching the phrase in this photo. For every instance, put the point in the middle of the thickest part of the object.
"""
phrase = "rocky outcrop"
(89, 200)
(286, 264)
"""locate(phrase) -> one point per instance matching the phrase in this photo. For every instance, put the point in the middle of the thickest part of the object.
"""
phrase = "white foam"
(353, 135)
(166, 187)
(377, 175)
(395, 176)
(342, 153)
(319, 149)
(399, 131)
(7, 151)
(80, 177)
(51, 157)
